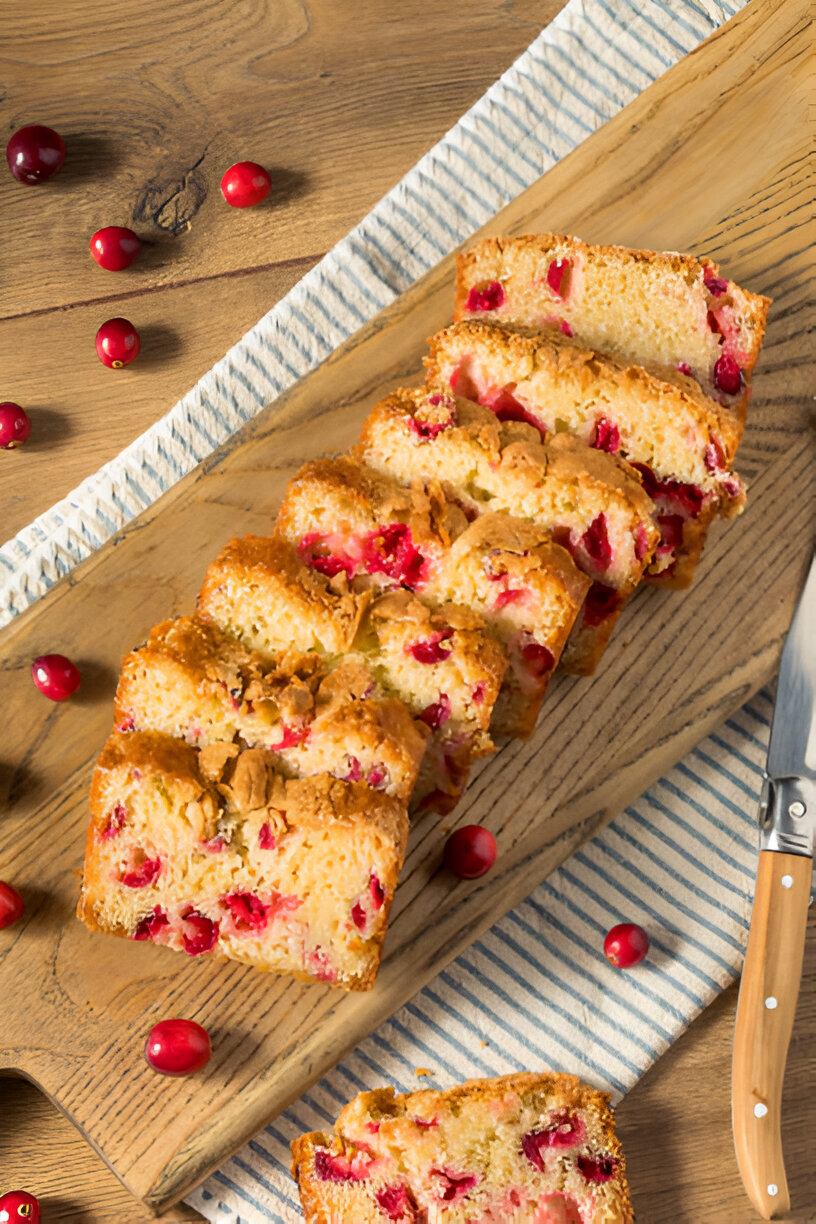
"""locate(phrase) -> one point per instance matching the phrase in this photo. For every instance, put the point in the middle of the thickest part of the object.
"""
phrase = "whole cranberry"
(14, 425)
(34, 153)
(245, 184)
(177, 1047)
(626, 945)
(11, 905)
(18, 1207)
(55, 676)
(117, 343)
(115, 247)
(470, 852)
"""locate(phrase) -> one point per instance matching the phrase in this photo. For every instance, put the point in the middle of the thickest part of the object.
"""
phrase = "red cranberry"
(177, 1047)
(489, 295)
(437, 713)
(115, 247)
(597, 1168)
(198, 934)
(18, 1207)
(538, 659)
(684, 368)
(470, 852)
(245, 183)
(715, 285)
(248, 911)
(596, 542)
(290, 738)
(142, 875)
(452, 1186)
(11, 905)
(507, 408)
(626, 945)
(266, 839)
(14, 425)
(558, 276)
(396, 1202)
(34, 153)
(641, 541)
(607, 436)
(150, 926)
(117, 343)
(565, 1131)
(55, 676)
(430, 650)
(727, 375)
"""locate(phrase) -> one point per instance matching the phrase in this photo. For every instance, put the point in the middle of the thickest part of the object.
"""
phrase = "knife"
(776, 940)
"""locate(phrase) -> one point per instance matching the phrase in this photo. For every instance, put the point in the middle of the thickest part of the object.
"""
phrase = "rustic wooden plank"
(336, 108)
(84, 414)
(681, 663)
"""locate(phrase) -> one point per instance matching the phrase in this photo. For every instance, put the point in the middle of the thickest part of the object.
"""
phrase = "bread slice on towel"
(520, 1149)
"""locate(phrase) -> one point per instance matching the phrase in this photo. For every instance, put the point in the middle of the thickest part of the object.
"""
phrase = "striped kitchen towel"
(535, 990)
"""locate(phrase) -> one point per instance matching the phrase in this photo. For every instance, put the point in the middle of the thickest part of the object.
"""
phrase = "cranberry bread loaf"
(648, 308)
(442, 663)
(525, 1148)
(592, 502)
(191, 680)
(213, 851)
(682, 442)
(529, 591)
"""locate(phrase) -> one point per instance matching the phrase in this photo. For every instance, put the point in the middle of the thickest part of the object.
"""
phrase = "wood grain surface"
(755, 221)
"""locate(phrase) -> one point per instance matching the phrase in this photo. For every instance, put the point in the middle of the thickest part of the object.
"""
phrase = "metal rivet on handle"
(770, 1003)
(773, 1189)
(760, 1110)
(787, 881)
(797, 808)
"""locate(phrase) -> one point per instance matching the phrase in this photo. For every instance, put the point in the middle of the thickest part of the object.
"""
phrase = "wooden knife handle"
(765, 1011)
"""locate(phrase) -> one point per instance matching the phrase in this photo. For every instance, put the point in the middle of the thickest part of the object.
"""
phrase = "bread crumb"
(423, 1071)
(483, 1043)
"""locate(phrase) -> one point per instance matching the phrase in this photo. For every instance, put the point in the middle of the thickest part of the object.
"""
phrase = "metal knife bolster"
(787, 815)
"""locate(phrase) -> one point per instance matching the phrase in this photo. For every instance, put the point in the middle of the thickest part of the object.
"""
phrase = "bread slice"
(195, 682)
(529, 591)
(442, 662)
(259, 591)
(526, 1148)
(682, 442)
(345, 518)
(648, 308)
(213, 852)
(590, 501)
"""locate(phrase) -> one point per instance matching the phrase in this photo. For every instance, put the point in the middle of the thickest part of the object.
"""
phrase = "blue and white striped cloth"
(535, 990)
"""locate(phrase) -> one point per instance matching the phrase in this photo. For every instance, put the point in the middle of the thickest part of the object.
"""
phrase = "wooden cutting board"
(712, 158)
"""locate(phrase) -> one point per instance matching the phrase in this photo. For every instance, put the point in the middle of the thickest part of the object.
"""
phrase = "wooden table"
(339, 105)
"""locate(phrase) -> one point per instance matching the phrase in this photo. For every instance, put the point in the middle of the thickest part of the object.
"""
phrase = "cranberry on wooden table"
(34, 153)
(11, 905)
(177, 1047)
(117, 343)
(115, 247)
(15, 425)
(55, 676)
(245, 184)
(626, 945)
(19, 1207)
(470, 852)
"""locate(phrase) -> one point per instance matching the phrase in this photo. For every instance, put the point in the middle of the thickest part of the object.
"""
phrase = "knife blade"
(773, 958)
